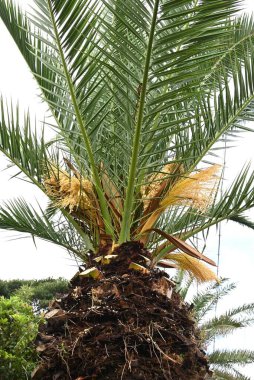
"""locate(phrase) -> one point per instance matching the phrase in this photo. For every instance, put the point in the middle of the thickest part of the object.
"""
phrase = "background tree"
(36, 292)
(225, 363)
(143, 94)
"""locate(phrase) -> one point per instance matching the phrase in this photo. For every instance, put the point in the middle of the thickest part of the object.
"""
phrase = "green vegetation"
(36, 292)
(18, 329)
(224, 362)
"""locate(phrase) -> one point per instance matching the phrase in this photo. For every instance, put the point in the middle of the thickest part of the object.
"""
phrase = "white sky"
(20, 259)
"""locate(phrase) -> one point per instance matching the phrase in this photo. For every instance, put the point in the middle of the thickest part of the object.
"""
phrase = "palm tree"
(142, 96)
(224, 362)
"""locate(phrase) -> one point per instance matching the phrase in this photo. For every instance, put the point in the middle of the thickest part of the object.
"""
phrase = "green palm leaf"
(62, 98)
(134, 86)
(223, 362)
(21, 145)
(205, 301)
(229, 375)
(225, 358)
(243, 220)
(18, 216)
(220, 326)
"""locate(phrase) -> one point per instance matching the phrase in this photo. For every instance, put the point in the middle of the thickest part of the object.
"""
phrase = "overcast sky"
(20, 259)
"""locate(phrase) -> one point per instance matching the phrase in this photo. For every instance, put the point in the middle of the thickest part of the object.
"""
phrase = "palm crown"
(142, 94)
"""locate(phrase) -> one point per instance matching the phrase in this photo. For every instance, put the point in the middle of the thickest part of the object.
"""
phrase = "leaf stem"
(128, 204)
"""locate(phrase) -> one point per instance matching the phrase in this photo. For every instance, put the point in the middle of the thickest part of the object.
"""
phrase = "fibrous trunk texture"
(127, 325)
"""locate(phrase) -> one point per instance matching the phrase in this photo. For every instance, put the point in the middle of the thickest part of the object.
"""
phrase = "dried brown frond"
(112, 194)
(197, 190)
(192, 265)
(183, 246)
(152, 193)
(153, 188)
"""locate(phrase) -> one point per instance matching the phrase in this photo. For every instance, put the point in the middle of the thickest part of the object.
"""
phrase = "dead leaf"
(178, 243)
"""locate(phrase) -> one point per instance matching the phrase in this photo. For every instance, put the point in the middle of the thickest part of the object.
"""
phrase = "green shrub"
(36, 292)
(18, 329)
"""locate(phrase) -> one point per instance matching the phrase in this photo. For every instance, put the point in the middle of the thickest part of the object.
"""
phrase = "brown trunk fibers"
(127, 325)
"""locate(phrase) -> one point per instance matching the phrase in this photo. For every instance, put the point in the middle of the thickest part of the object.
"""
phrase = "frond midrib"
(128, 204)
(103, 203)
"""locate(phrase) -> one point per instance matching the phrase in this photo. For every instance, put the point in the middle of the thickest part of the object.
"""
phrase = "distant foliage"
(225, 363)
(36, 292)
(18, 329)
(7, 288)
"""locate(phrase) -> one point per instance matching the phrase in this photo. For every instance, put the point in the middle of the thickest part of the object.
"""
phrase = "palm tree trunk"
(127, 325)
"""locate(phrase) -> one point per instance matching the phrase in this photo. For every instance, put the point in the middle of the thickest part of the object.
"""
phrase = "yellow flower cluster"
(70, 192)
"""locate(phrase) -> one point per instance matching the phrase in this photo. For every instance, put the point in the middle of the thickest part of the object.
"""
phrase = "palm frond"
(193, 266)
(23, 35)
(46, 41)
(229, 375)
(245, 309)
(225, 358)
(20, 143)
(224, 363)
(221, 326)
(65, 50)
(242, 220)
(239, 197)
(183, 284)
(28, 150)
(228, 102)
(17, 215)
(160, 52)
(205, 300)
